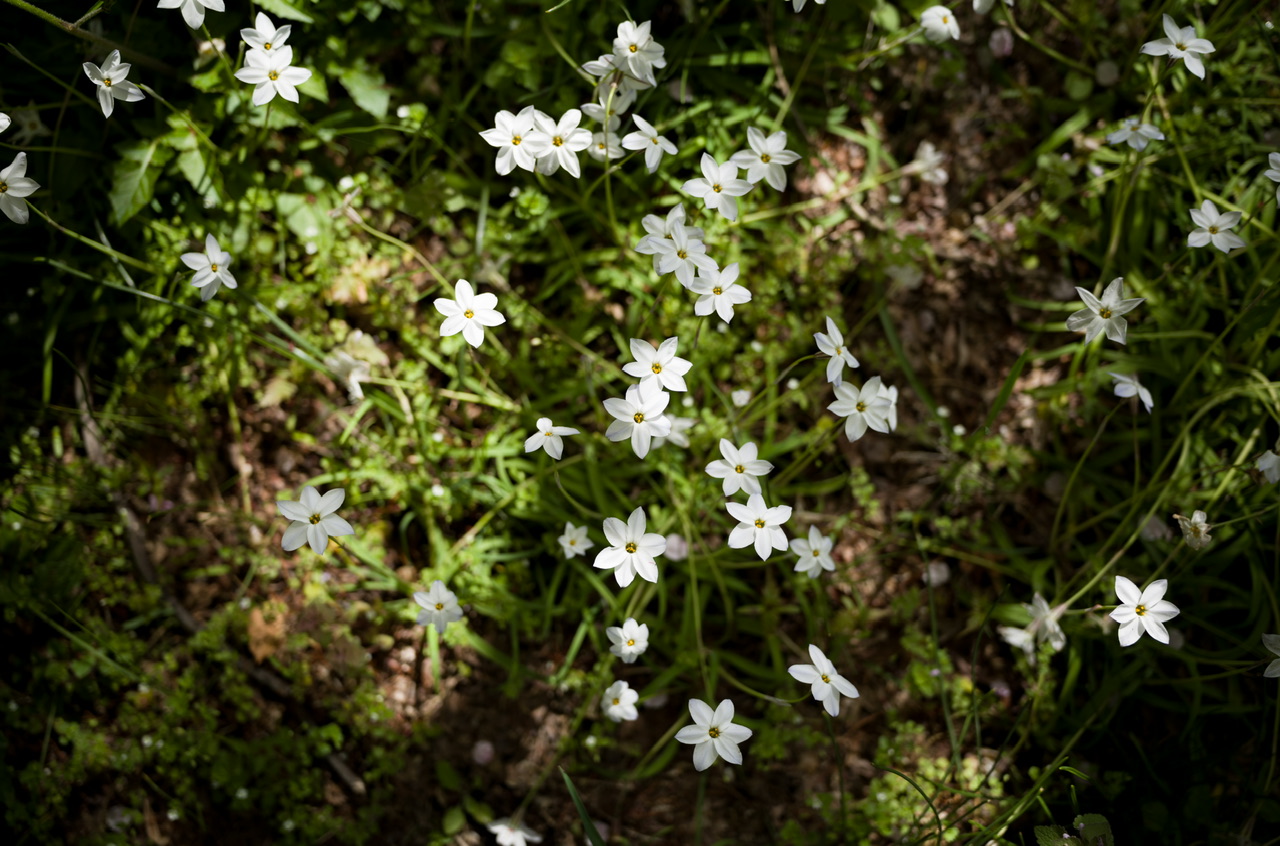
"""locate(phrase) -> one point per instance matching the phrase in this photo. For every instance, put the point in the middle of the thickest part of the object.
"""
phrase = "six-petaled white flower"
(1180, 43)
(862, 408)
(511, 136)
(939, 24)
(629, 640)
(635, 51)
(619, 702)
(1195, 531)
(661, 365)
(439, 606)
(766, 158)
(512, 833)
(682, 255)
(314, 520)
(1272, 642)
(1128, 386)
(714, 734)
(211, 268)
(1135, 133)
(890, 393)
(604, 146)
(111, 82)
(718, 291)
(556, 144)
(639, 416)
(574, 541)
(832, 344)
(928, 163)
(679, 434)
(814, 554)
(469, 313)
(265, 35)
(548, 437)
(718, 187)
(1273, 171)
(272, 73)
(827, 685)
(1104, 314)
(193, 10)
(1214, 227)
(1147, 611)
(797, 5)
(739, 468)
(14, 186)
(5, 120)
(1043, 627)
(647, 138)
(658, 229)
(1268, 464)
(631, 549)
(758, 526)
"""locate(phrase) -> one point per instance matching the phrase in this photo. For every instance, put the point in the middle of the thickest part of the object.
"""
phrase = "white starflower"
(832, 344)
(1195, 531)
(635, 51)
(939, 24)
(1214, 226)
(890, 393)
(272, 73)
(1180, 43)
(574, 541)
(928, 163)
(1146, 611)
(758, 526)
(28, 125)
(469, 313)
(511, 135)
(647, 138)
(265, 35)
(765, 159)
(679, 434)
(1135, 133)
(629, 640)
(714, 734)
(739, 468)
(639, 416)
(1272, 173)
(619, 702)
(314, 520)
(827, 684)
(718, 291)
(604, 146)
(814, 554)
(658, 229)
(661, 365)
(548, 437)
(1272, 642)
(511, 833)
(984, 6)
(631, 550)
(1043, 627)
(439, 606)
(348, 370)
(111, 82)
(607, 114)
(211, 268)
(682, 255)
(14, 187)
(1104, 314)
(556, 144)
(862, 408)
(797, 5)
(193, 10)
(1128, 386)
(1268, 464)
(718, 187)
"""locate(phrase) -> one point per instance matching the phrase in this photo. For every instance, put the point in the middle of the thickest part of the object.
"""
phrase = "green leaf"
(133, 177)
(368, 88)
(1094, 830)
(593, 834)
(454, 820)
(1054, 835)
(285, 10)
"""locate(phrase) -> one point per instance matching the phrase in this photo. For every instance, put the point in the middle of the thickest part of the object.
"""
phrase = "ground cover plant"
(698, 422)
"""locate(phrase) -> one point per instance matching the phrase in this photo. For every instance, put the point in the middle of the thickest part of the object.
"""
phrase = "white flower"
(715, 734)
(1272, 642)
(799, 4)
(681, 254)
(635, 51)
(832, 344)
(619, 702)
(511, 833)
(677, 547)
(1273, 173)
(639, 416)
(265, 35)
(928, 163)
(314, 520)
(348, 369)
(1146, 611)
(469, 314)
(739, 468)
(557, 144)
(828, 685)
(1196, 530)
(1043, 627)
(814, 554)
(984, 6)
(1135, 133)
(511, 136)
(758, 525)
(615, 87)
(1268, 464)
(766, 158)
(211, 268)
(14, 186)
(1127, 386)
(719, 291)
(631, 550)
(936, 574)
(740, 397)
(861, 408)
(4, 121)
(1180, 44)
(193, 10)
(718, 187)
(647, 138)
(606, 113)
(574, 541)
(604, 146)
(439, 606)
(939, 24)
(629, 640)
(679, 434)
(548, 437)
(658, 229)
(272, 73)
(660, 365)
(111, 82)
(29, 126)
(1214, 227)
(890, 393)
(1103, 314)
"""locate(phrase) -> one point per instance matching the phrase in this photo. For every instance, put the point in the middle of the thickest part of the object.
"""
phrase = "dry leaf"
(266, 635)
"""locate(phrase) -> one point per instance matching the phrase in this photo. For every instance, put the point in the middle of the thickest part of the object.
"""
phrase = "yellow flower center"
(106, 82)
(638, 417)
(468, 314)
(946, 19)
(860, 407)
(557, 141)
(682, 254)
(1213, 230)
(816, 553)
(1105, 313)
(1181, 45)
(1141, 610)
(653, 140)
(549, 434)
(717, 290)
(4, 187)
(630, 547)
(617, 701)
(633, 48)
(713, 732)
(439, 606)
(764, 157)
(656, 368)
(515, 140)
(826, 678)
(273, 75)
(738, 468)
(759, 522)
(266, 45)
(631, 642)
(573, 542)
(214, 268)
(315, 518)
(716, 187)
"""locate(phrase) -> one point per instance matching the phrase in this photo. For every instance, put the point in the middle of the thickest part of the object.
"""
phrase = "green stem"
(102, 248)
(74, 29)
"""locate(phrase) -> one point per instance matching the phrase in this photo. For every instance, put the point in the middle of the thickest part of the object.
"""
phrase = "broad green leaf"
(368, 88)
(133, 177)
(285, 10)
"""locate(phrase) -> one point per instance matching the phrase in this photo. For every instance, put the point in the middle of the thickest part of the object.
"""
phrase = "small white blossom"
(211, 268)
(928, 163)
(862, 408)
(1272, 642)
(797, 5)
(827, 685)
(758, 526)
(984, 6)
(511, 136)
(556, 144)
(814, 554)
(1214, 226)
(766, 158)
(635, 51)
(629, 640)
(574, 541)
(679, 434)
(714, 734)
(193, 10)
(469, 313)
(548, 437)
(314, 520)
(1104, 314)
(439, 606)
(739, 468)
(1195, 531)
(1135, 133)
(1268, 464)
(511, 833)
(658, 229)
(740, 397)
(890, 393)
(832, 344)
(272, 73)
(1147, 611)
(15, 185)
(939, 24)
(265, 35)
(1043, 627)
(111, 82)
(1180, 43)
(639, 416)
(647, 138)
(718, 187)
(661, 365)
(718, 291)
(631, 549)
(1272, 172)
(682, 255)
(604, 146)
(619, 702)
(1128, 386)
